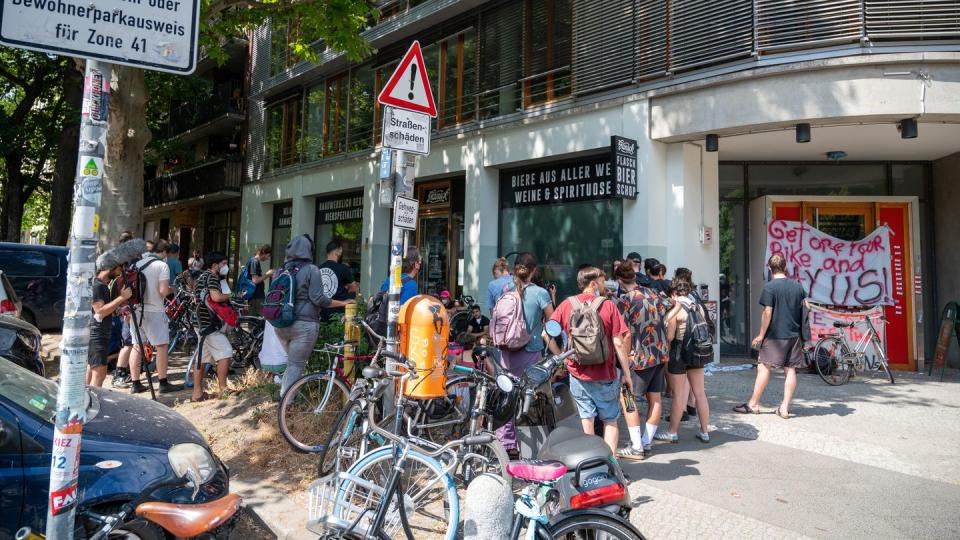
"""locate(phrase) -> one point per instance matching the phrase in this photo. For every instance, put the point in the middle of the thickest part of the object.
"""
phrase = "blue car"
(128, 442)
(39, 276)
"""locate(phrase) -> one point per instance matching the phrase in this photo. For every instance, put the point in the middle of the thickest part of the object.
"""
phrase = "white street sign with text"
(406, 130)
(159, 35)
(405, 213)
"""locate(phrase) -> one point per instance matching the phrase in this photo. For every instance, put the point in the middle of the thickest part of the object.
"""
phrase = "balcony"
(210, 181)
(214, 114)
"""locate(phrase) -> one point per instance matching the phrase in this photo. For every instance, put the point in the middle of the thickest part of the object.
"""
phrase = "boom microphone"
(129, 251)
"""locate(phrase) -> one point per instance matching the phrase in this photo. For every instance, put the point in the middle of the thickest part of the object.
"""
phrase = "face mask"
(225, 269)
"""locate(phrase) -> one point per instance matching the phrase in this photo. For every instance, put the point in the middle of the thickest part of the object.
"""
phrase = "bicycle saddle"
(840, 324)
(188, 520)
(535, 470)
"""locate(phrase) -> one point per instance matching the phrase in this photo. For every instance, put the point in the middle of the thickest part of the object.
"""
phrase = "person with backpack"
(298, 286)
(151, 324)
(644, 310)
(600, 337)
(501, 277)
(410, 267)
(516, 328)
(780, 339)
(214, 347)
(251, 281)
(691, 348)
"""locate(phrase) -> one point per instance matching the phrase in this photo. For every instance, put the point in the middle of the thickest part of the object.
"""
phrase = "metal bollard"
(350, 332)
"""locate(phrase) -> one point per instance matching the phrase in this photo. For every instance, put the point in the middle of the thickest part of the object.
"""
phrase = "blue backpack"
(278, 306)
(245, 286)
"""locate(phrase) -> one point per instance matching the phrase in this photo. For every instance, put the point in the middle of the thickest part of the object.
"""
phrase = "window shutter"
(900, 19)
(603, 36)
(651, 42)
(704, 33)
(790, 24)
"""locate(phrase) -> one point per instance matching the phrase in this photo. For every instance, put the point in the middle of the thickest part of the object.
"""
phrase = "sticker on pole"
(405, 213)
(408, 87)
(406, 130)
(159, 35)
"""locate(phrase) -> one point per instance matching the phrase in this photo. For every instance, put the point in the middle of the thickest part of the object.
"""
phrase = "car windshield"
(28, 390)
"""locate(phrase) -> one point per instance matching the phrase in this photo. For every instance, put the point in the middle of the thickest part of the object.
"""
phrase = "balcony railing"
(225, 98)
(213, 177)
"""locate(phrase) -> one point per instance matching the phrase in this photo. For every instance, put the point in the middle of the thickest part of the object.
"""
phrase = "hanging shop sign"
(833, 271)
(433, 196)
(339, 208)
(623, 156)
(159, 35)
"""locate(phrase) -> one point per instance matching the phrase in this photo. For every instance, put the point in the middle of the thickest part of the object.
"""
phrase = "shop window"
(565, 236)
(501, 44)
(817, 179)
(283, 133)
(335, 117)
(546, 47)
(340, 217)
(458, 79)
(362, 112)
(282, 226)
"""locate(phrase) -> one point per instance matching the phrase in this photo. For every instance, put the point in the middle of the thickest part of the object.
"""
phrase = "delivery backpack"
(245, 286)
(278, 306)
(587, 335)
(508, 327)
(377, 307)
(134, 278)
(697, 344)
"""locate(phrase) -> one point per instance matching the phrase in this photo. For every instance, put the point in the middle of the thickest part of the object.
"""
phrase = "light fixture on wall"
(908, 128)
(713, 142)
(836, 155)
(803, 133)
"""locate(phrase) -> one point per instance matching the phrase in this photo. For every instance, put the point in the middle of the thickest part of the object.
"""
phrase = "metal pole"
(403, 186)
(72, 396)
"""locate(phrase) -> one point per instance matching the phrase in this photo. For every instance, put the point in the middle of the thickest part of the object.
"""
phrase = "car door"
(11, 474)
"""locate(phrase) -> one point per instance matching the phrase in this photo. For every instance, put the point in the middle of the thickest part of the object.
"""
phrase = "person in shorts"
(644, 310)
(151, 318)
(779, 340)
(103, 306)
(596, 388)
(216, 349)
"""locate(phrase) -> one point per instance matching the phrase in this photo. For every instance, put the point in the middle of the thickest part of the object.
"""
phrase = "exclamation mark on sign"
(413, 75)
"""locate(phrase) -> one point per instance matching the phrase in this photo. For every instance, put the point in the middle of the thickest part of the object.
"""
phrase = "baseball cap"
(444, 294)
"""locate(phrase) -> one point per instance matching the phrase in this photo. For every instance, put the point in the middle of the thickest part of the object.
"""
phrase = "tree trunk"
(13, 199)
(121, 208)
(61, 195)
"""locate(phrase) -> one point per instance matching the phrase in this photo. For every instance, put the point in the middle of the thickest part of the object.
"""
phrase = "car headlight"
(192, 461)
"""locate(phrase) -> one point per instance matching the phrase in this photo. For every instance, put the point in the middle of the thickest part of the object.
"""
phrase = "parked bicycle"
(460, 319)
(836, 360)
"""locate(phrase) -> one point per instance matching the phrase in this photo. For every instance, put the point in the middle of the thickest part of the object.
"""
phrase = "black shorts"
(649, 381)
(96, 355)
(676, 365)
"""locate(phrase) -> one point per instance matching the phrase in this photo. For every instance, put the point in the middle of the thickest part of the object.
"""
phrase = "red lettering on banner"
(63, 499)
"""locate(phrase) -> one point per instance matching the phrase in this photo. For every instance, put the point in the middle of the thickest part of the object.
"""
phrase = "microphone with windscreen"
(124, 253)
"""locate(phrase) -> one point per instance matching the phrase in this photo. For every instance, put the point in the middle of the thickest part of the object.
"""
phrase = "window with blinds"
(603, 44)
(704, 33)
(650, 45)
(501, 67)
(547, 40)
(789, 24)
(903, 19)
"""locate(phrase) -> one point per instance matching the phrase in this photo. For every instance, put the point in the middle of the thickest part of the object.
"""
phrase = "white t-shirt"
(155, 272)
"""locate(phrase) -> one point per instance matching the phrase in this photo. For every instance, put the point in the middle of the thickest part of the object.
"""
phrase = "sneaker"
(631, 453)
(691, 411)
(166, 387)
(121, 381)
(649, 446)
(704, 437)
(137, 388)
(667, 437)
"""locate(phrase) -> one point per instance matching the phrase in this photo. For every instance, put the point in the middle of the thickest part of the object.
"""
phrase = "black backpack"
(697, 345)
(376, 316)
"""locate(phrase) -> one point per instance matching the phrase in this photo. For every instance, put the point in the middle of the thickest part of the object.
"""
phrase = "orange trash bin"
(424, 335)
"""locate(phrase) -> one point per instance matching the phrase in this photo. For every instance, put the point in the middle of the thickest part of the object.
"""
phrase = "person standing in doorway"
(501, 277)
(779, 340)
(259, 277)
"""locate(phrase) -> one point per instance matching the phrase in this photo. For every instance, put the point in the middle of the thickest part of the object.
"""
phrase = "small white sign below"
(405, 212)
(406, 130)
(158, 35)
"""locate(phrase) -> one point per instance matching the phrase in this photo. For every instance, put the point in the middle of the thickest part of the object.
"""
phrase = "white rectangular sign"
(159, 35)
(405, 213)
(406, 130)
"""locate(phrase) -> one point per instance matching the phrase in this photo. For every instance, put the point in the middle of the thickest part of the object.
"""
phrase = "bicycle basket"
(347, 503)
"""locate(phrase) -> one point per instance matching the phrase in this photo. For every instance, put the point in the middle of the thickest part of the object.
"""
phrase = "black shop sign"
(605, 176)
(339, 208)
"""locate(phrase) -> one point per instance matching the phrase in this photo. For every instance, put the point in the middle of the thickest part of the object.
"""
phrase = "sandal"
(781, 415)
(744, 408)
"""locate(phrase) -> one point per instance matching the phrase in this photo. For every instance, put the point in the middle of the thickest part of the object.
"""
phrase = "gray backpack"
(587, 335)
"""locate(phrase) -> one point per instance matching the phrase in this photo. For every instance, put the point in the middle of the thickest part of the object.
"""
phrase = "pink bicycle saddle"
(534, 470)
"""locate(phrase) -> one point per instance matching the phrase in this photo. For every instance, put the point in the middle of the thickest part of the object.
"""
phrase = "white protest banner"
(833, 271)
(821, 324)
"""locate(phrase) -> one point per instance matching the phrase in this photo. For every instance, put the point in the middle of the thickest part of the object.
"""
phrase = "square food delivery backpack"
(278, 306)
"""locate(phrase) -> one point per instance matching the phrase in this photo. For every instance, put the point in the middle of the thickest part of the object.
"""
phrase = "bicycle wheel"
(593, 525)
(458, 324)
(830, 360)
(431, 503)
(176, 336)
(304, 417)
(342, 446)
(188, 374)
(886, 368)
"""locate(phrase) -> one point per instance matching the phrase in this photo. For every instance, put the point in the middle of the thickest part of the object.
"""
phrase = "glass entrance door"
(846, 221)
(433, 239)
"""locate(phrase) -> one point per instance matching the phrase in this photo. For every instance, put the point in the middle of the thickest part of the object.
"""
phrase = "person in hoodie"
(299, 338)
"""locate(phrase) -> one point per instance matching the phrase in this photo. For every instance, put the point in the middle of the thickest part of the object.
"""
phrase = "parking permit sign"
(159, 35)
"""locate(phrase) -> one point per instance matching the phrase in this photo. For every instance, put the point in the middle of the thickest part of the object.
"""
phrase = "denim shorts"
(596, 398)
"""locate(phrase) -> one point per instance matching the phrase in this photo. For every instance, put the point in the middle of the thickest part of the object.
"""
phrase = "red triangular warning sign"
(408, 87)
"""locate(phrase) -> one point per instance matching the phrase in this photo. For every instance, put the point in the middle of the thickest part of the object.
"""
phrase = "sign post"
(406, 128)
(159, 35)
